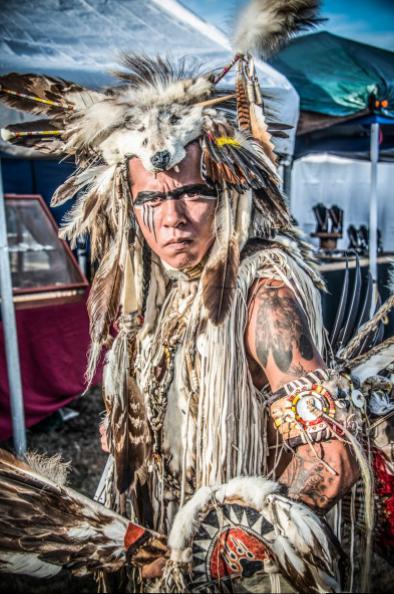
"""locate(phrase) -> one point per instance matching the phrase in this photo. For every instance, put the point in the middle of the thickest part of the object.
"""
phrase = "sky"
(368, 21)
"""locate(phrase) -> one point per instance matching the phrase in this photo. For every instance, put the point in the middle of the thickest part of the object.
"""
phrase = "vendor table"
(53, 341)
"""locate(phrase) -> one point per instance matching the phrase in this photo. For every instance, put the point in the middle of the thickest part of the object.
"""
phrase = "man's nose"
(173, 213)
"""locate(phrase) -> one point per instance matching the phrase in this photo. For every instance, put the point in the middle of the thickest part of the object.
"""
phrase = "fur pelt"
(265, 25)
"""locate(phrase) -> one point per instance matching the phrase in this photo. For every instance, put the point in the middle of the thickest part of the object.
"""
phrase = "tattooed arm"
(278, 340)
(278, 337)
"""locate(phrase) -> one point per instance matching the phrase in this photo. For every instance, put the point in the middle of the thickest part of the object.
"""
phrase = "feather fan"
(45, 526)
(265, 25)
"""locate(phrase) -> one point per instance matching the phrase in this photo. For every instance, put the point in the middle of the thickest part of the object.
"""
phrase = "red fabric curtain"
(53, 343)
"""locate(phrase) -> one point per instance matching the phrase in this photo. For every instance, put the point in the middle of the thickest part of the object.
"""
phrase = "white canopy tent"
(331, 179)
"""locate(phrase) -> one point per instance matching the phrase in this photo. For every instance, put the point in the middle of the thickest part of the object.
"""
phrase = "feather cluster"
(46, 527)
(266, 25)
(128, 433)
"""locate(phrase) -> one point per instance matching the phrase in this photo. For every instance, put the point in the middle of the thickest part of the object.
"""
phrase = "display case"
(43, 267)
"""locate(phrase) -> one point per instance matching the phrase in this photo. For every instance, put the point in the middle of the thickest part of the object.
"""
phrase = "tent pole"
(373, 205)
(10, 335)
(287, 170)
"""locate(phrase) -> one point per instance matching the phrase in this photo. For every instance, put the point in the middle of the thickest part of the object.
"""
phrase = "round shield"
(230, 543)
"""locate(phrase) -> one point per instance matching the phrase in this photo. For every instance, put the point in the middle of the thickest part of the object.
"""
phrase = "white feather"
(380, 403)
(184, 523)
(265, 24)
(379, 359)
(27, 564)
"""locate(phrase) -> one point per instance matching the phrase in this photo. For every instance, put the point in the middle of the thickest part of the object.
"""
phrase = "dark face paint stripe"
(148, 219)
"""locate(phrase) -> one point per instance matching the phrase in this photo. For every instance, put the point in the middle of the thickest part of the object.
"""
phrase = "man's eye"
(153, 202)
(191, 195)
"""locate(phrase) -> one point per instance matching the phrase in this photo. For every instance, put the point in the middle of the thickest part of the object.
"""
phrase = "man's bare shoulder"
(278, 335)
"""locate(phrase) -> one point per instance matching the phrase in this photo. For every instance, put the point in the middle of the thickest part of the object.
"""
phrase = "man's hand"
(321, 483)
(154, 569)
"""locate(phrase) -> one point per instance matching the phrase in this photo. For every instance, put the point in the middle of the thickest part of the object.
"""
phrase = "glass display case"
(43, 267)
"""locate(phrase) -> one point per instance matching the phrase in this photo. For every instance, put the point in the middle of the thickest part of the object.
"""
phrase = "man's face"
(175, 210)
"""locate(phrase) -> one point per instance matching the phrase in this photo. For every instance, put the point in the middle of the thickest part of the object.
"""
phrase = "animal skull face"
(157, 135)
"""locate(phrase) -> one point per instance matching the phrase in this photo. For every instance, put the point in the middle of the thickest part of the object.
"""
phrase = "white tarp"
(346, 183)
(81, 40)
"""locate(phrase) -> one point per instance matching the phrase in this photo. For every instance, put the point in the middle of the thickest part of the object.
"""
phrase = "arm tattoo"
(309, 480)
(306, 483)
(281, 329)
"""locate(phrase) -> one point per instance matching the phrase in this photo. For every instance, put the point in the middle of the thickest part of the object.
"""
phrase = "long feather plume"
(265, 25)
(220, 273)
(243, 112)
(349, 326)
(104, 297)
(103, 302)
(128, 433)
(42, 135)
(341, 310)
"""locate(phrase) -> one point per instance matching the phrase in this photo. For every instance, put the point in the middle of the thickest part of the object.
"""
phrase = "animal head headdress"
(156, 110)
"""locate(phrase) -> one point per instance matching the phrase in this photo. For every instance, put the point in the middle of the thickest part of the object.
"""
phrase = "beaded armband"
(313, 407)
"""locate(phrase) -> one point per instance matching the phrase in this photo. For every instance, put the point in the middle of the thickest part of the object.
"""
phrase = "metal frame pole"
(10, 335)
(373, 204)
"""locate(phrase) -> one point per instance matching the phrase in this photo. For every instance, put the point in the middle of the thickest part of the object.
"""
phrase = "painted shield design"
(230, 543)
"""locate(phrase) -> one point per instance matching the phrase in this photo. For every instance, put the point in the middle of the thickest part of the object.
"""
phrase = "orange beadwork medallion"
(309, 405)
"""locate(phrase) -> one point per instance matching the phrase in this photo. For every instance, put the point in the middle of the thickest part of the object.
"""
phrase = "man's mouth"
(179, 241)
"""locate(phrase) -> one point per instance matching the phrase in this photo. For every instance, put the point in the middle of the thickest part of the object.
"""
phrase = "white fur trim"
(252, 490)
(184, 523)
